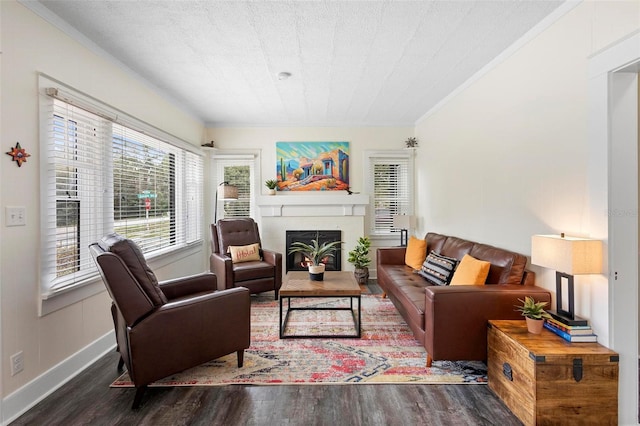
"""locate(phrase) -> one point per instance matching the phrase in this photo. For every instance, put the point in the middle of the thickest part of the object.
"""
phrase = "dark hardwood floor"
(88, 400)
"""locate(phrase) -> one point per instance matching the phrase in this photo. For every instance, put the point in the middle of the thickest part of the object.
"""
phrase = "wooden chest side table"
(545, 380)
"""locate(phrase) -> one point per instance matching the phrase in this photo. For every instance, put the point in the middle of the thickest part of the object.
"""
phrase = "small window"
(239, 171)
(390, 180)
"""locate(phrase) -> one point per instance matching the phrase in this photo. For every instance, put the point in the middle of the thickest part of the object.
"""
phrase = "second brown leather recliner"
(258, 276)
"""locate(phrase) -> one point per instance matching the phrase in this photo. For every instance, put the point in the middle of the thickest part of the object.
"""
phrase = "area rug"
(386, 353)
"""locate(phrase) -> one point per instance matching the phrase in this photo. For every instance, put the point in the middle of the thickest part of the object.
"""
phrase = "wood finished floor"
(88, 400)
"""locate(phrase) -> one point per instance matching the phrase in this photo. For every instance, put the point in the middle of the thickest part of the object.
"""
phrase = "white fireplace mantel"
(313, 204)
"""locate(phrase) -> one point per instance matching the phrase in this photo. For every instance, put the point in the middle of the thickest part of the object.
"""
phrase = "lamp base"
(576, 320)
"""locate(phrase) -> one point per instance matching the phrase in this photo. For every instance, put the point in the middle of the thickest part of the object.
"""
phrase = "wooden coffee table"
(336, 284)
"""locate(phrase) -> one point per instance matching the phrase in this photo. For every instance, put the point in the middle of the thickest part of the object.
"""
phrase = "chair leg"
(240, 358)
(138, 398)
(429, 361)
(120, 365)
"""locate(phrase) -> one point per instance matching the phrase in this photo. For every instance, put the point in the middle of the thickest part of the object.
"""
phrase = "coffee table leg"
(359, 317)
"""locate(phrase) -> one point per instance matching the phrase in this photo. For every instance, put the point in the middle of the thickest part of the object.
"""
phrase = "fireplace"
(295, 260)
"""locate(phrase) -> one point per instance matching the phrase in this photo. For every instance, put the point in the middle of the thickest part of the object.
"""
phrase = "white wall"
(511, 154)
(265, 138)
(30, 45)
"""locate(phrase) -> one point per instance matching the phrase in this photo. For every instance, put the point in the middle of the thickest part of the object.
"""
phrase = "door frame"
(613, 191)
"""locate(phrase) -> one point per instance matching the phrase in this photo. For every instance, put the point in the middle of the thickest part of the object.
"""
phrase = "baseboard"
(20, 401)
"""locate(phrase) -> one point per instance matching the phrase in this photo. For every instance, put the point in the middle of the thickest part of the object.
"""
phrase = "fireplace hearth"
(295, 261)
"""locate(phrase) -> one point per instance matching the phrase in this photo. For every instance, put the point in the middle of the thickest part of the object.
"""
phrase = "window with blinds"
(390, 181)
(239, 172)
(100, 177)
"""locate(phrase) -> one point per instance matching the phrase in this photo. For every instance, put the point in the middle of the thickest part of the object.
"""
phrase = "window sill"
(66, 297)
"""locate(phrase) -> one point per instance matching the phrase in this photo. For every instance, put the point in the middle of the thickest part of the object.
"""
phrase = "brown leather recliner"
(258, 275)
(166, 327)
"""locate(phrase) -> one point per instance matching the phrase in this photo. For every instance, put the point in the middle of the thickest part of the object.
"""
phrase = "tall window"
(390, 181)
(239, 171)
(100, 176)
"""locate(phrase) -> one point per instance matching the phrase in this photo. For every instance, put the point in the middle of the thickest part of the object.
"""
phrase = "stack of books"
(571, 333)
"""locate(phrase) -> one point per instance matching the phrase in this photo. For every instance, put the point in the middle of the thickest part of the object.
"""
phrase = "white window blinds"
(75, 199)
(390, 178)
(99, 177)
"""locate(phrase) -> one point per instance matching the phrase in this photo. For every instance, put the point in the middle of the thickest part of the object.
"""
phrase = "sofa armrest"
(182, 287)
(456, 316)
(390, 255)
(222, 266)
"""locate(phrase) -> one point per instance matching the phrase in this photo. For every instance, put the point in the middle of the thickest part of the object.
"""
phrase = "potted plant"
(315, 255)
(272, 184)
(534, 314)
(359, 258)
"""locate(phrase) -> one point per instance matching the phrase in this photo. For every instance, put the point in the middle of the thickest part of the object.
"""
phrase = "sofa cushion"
(416, 252)
(438, 269)
(471, 271)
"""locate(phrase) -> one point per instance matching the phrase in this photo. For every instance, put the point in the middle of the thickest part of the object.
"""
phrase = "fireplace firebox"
(295, 261)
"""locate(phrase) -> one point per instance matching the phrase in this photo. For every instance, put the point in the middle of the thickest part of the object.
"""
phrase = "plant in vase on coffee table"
(316, 255)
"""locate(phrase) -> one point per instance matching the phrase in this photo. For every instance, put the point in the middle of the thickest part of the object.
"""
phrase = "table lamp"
(569, 256)
(227, 192)
(403, 222)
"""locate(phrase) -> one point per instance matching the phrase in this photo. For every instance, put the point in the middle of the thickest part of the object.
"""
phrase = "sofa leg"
(429, 361)
(240, 358)
(384, 295)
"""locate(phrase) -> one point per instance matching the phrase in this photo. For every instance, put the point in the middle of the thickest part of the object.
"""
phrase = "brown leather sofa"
(165, 327)
(257, 275)
(451, 321)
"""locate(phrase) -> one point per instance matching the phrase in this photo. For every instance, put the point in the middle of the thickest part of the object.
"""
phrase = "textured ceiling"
(352, 63)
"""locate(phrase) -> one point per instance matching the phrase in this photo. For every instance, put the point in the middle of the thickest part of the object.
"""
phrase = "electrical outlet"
(17, 363)
(15, 216)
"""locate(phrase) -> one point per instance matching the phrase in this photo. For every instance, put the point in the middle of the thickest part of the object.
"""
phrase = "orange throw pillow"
(416, 252)
(471, 271)
(245, 253)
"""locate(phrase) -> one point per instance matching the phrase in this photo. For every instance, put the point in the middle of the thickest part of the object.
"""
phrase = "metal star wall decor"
(19, 154)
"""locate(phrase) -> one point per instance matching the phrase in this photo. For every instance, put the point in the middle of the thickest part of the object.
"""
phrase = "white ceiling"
(353, 63)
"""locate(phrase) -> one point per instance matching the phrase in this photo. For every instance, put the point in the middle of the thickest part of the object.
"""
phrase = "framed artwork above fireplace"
(312, 166)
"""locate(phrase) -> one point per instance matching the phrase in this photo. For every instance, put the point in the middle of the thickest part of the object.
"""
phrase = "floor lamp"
(227, 192)
(569, 256)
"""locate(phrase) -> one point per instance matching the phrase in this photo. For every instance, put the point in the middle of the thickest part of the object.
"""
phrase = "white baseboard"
(20, 401)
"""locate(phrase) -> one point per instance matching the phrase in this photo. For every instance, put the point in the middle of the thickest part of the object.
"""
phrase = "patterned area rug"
(386, 353)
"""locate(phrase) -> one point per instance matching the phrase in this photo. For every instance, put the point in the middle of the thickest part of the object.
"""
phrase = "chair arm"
(191, 331)
(456, 316)
(272, 257)
(185, 286)
(222, 266)
(391, 255)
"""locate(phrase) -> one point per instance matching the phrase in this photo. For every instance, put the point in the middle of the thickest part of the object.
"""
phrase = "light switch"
(15, 216)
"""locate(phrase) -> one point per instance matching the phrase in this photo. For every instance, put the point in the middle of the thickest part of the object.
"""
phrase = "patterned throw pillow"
(438, 269)
(245, 253)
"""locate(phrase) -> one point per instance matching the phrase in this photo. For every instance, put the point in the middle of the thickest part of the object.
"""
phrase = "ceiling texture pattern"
(352, 63)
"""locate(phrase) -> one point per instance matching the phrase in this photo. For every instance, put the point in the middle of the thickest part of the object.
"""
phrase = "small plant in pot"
(534, 314)
(359, 258)
(272, 184)
(315, 255)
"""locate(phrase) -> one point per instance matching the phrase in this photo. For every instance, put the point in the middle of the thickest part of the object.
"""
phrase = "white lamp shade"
(228, 192)
(403, 221)
(570, 255)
